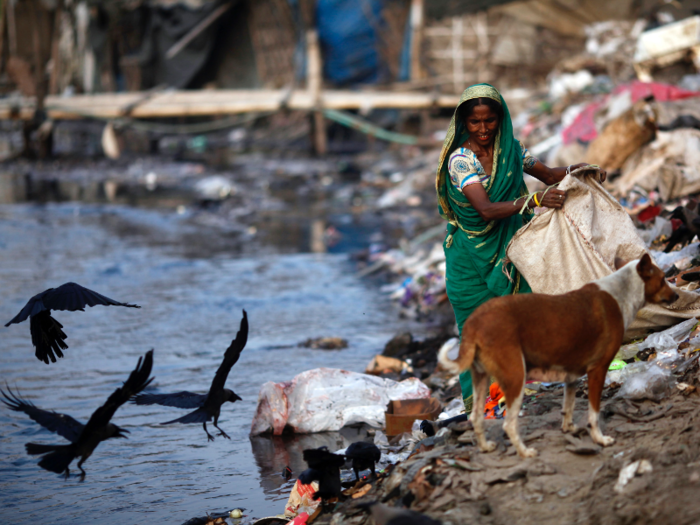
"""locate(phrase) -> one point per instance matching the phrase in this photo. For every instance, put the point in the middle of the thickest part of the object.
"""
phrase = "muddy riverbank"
(570, 481)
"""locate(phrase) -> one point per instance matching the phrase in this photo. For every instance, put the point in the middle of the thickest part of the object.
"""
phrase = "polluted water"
(191, 303)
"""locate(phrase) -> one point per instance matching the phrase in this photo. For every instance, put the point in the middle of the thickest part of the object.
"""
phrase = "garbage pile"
(629, 103)
(651, 408)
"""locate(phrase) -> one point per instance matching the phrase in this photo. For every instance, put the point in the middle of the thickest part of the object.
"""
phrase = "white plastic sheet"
(327, 399)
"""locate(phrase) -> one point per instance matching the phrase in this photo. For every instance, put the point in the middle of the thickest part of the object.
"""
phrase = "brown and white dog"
(555, 338)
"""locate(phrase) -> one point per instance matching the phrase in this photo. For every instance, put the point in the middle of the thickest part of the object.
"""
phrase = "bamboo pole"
(417, 11)
(11, 28)
(39, 83)
(457, 53)
(54, 79)
(314, 82)
(182, 43)
(225, 102)
(3, 10)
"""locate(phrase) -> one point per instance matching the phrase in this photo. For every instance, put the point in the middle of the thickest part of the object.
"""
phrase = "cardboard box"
(400, 415)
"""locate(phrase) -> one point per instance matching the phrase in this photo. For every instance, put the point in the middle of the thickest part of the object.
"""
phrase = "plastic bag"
(661, 227)
(452, 409)
(681, 259)
(646, 380)
(327, 399)
(665, 341)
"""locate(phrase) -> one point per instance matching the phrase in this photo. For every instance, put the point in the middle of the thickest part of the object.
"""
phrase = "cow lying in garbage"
(554, 338)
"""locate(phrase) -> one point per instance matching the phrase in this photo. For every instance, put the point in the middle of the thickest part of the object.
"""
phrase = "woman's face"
(482, 125)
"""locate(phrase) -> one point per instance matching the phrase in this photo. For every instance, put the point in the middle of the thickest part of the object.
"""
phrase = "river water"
(191, 308)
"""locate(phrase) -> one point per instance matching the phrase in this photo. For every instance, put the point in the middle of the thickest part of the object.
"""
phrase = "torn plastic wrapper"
(301, 500)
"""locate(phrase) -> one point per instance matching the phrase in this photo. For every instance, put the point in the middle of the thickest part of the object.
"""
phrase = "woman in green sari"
(482, 195)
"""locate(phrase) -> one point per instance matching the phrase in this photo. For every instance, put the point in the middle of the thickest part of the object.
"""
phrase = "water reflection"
(191, 307)
(273, 453)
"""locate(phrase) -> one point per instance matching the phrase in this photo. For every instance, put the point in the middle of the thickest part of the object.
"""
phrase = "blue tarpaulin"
(348, 30)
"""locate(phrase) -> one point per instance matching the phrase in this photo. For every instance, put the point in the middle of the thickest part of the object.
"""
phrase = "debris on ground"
(325, 343)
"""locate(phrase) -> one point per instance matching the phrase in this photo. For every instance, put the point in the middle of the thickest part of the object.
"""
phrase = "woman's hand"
(603, 173)
(552, 199)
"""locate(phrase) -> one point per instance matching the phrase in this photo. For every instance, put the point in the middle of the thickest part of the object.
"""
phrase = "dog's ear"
(645, 267)
(619, 263)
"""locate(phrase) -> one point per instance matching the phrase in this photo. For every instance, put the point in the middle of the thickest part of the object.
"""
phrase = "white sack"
(327, 399)
(561, 250)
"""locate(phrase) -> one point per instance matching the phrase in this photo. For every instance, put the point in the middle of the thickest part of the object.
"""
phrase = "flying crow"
(47, 334)
(207, 405)
(83, 438)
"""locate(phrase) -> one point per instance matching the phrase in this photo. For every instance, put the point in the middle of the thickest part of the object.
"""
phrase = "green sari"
(475, 249)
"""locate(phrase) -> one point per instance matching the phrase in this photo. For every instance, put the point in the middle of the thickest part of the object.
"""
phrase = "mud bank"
(570, 481)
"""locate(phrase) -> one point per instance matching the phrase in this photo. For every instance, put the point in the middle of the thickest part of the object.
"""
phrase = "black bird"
(686, 231)
(83, 438)
(324, 467)
(207, 405)
(681, 235)
(47, 334)
(385, 515)
(364, 455)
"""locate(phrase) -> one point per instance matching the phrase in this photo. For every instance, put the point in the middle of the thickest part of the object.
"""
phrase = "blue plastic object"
(347, 30)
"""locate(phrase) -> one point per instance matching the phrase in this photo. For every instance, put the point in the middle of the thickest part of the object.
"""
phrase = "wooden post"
(55, 78)
(417, 10)
(38, 60)
(314, 82)
(457, 53)
(11, 28)
(3, 10)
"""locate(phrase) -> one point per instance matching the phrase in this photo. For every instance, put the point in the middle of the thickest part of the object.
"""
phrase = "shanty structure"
(184, 58)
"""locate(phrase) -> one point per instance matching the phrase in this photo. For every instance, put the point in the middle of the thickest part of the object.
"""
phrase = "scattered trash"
(400, 415)
(381, 364)
(628, 473)
(646, 380)
(326, 399)
(325, 343)
(301, 500)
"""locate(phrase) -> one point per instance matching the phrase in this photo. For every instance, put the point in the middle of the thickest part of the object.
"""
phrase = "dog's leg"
(567, 423)
(480, 379)
(514, 399)
(596, 380)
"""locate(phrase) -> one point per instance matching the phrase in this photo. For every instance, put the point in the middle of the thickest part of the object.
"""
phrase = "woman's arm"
(489, 211)
(552, 175)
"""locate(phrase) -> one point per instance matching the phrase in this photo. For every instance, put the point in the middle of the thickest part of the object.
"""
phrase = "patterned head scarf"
(506, 181)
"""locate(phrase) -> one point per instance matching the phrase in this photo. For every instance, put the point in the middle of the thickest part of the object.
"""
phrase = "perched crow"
(364, 455)
(385, 515)
(47, 334)
(83, 438)
(207, 405)
(324, 467)
(686, 231)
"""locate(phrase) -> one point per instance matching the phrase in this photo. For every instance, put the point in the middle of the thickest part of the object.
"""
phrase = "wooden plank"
(201, 103)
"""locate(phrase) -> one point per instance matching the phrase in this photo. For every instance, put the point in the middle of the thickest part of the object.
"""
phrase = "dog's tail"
(467, 350)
